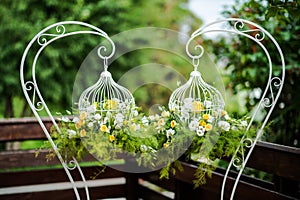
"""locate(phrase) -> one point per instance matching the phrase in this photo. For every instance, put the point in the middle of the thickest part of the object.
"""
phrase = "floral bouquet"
(155, 141)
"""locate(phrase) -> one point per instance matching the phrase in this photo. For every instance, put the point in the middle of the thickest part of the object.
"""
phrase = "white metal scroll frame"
(60, 30)
(269, 96)
(30, 85)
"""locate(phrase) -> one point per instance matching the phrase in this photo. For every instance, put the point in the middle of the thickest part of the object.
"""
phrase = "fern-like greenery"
(155, 141)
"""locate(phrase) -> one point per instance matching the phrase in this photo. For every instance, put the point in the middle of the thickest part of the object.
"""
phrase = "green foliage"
(159, 141)
(277, 7)
(247, 64)
(21, 20)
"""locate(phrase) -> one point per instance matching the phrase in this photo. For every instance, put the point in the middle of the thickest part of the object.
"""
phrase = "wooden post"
(131, 186)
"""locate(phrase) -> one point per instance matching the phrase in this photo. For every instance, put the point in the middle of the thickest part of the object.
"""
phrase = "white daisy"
(193, 125)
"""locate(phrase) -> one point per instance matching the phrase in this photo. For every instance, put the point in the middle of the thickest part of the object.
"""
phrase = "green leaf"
(271, 12)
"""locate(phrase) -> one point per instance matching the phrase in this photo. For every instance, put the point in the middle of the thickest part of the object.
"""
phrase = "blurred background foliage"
(21, 20)
(244, 65)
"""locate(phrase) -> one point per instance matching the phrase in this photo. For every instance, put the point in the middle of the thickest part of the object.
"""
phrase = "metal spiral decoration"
(239, 160)
(33, 94)
(60, 30)
(36, 103)
(256, 33)
(274, 86)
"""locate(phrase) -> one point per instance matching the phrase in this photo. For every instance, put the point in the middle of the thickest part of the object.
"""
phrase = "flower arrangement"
(106, 133)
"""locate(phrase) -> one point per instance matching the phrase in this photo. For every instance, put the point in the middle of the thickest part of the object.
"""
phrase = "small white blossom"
(165, 113)
(105, 120)
(185, 115)
(193, 125)
(244, 123)
(160, 123)
(108, 114)
(119, 118)
(91, 109)
(210, 119)
(138, 127)
(207, 104)
(224, 125)
(71, 133)
(157, 117)
(65, 119)
(97, 116)
(134, 127)
(145, 121)
(187, 104)
(90, 124)
(151, 117)
(135, 113)
(200, 131)
(226, 117)
(75, 119)
(118, 126)
(143, 148)
(116, 100)
(170, 132)
(122, 106)
(188, 101)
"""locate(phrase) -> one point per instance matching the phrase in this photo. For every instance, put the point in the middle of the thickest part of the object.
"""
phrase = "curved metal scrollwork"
(71, 165)
(269, 101)
(37, 104)
(256, 33)
(42, 39)
(239, 158)
(30, 87)
(270, 95)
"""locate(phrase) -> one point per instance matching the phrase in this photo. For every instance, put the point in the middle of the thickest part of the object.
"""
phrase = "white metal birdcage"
(197, 103)
(106, 96)
(196, 98)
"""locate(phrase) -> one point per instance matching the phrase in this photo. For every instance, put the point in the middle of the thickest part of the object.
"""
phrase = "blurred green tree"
(247, 65)
(21, 20)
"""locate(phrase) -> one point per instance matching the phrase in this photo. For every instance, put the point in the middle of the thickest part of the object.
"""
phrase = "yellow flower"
(104, 128)
(82, 133)
(202, 123)
(197, 106)
(133, 127)
(111, 138)
(96, 104)
(125, 122)
(112, 104)
(166, 145)
(161, 122)
(223, 113)
(205, 116)
(82, 115)
(165, 113)
(173, 123)
(79, 124)
(208, 127)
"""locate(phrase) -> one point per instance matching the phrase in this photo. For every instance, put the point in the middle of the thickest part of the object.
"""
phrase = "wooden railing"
(23, 176)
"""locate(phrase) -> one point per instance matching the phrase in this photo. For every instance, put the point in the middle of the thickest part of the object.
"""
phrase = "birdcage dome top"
(106, 95)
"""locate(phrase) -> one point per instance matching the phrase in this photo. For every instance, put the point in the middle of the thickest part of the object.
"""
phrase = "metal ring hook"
(196, 62)
(105, 63)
